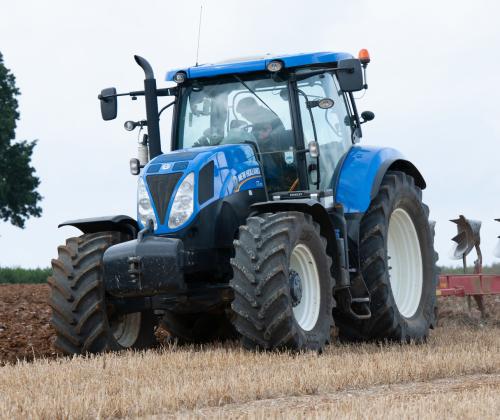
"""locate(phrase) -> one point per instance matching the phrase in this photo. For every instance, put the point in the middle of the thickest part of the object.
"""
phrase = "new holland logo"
(248, 173)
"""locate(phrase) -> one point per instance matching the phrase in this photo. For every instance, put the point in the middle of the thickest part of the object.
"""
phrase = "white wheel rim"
(126, 329)
(306, 312)
(405, 263)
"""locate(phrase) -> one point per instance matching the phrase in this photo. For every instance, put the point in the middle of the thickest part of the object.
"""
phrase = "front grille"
(161, 188)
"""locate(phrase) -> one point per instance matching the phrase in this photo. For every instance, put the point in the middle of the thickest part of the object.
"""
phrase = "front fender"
(120, 223)
(362, 172)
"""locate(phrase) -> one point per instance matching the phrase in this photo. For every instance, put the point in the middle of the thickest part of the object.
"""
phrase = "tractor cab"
(298, 119)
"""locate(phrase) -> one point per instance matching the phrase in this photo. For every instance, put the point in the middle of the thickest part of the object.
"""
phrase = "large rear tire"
(398, 264)
(80, 317)
(282, 283)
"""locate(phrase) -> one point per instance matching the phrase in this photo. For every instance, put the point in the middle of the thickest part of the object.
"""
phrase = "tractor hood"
(211, 173)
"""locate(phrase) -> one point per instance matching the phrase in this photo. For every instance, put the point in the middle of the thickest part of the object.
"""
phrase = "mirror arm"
(356, 115)
(365, 84)
(103, 98)
(160, 92)
(172, 91)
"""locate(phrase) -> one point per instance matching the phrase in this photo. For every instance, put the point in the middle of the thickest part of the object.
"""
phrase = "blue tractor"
(266, 221)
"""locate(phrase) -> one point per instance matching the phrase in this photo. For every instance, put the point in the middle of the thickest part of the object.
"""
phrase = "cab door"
(330, 127)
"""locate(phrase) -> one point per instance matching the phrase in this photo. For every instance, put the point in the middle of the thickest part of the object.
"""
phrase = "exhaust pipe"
(151, 107)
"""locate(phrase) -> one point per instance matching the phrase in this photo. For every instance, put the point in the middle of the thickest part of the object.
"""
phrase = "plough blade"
(467, 237)
(496, 251)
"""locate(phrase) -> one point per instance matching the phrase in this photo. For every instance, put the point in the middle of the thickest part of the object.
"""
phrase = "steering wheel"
(237, 124)
(209, 138)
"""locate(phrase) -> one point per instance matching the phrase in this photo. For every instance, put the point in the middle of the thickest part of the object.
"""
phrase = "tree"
(18, 183)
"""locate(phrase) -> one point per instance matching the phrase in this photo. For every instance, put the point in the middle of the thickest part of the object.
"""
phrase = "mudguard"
(362, 172)
(119, 223)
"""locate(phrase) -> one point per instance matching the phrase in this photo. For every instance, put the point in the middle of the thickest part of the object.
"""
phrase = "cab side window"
(332, 125)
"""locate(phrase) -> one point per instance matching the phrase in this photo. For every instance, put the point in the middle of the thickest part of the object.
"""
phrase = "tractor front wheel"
(282, 283)
(82, 320)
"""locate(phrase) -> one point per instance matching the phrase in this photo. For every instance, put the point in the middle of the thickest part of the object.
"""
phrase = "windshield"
(236, 111)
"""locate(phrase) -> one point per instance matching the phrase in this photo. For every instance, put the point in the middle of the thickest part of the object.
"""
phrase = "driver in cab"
(273, 142)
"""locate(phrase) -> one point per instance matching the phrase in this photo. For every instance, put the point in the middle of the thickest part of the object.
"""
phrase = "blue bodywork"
(235, 166)
(235, 169)
(248, 65)
(358, 173)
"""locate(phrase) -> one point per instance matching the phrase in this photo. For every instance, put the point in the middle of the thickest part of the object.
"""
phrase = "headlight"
(144, 208)
(182, 207)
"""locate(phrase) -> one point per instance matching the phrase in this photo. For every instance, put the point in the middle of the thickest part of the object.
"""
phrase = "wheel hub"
(304, 287)
(406, 273)
(295, 287)
(126, 328)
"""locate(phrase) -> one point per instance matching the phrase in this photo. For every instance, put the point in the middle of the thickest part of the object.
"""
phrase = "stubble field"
(455, 375)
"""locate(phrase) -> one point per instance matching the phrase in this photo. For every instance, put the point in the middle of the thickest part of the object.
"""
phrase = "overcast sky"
(434, 88)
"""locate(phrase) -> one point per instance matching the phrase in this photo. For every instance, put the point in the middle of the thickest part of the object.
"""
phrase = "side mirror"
(109, 104)
(350, 75)
(367, 116)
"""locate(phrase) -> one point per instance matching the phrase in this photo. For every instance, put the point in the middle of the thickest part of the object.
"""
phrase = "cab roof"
(252, 64)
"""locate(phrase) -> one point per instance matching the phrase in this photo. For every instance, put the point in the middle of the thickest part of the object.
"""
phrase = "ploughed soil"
(25, 332)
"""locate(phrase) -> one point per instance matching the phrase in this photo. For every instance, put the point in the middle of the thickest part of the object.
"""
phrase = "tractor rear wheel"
(282, 283)
(80, 317)
(398, 264)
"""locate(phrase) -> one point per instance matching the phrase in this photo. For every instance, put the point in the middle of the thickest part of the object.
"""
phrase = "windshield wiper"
(254, 94)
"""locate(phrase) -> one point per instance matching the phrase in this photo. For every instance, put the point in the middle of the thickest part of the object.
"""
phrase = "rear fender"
(362, 172)
(119, 223)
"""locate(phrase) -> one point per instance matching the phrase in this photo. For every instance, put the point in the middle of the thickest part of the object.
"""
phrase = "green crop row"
(24, 275)
(39, 275)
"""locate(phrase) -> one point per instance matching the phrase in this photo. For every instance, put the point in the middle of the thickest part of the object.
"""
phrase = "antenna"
(199, 33)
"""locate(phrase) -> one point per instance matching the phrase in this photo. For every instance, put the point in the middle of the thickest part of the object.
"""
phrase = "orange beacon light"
(364, 57)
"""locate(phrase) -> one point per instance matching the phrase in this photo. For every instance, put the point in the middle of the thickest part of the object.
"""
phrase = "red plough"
(474, 285)
(468, 285)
